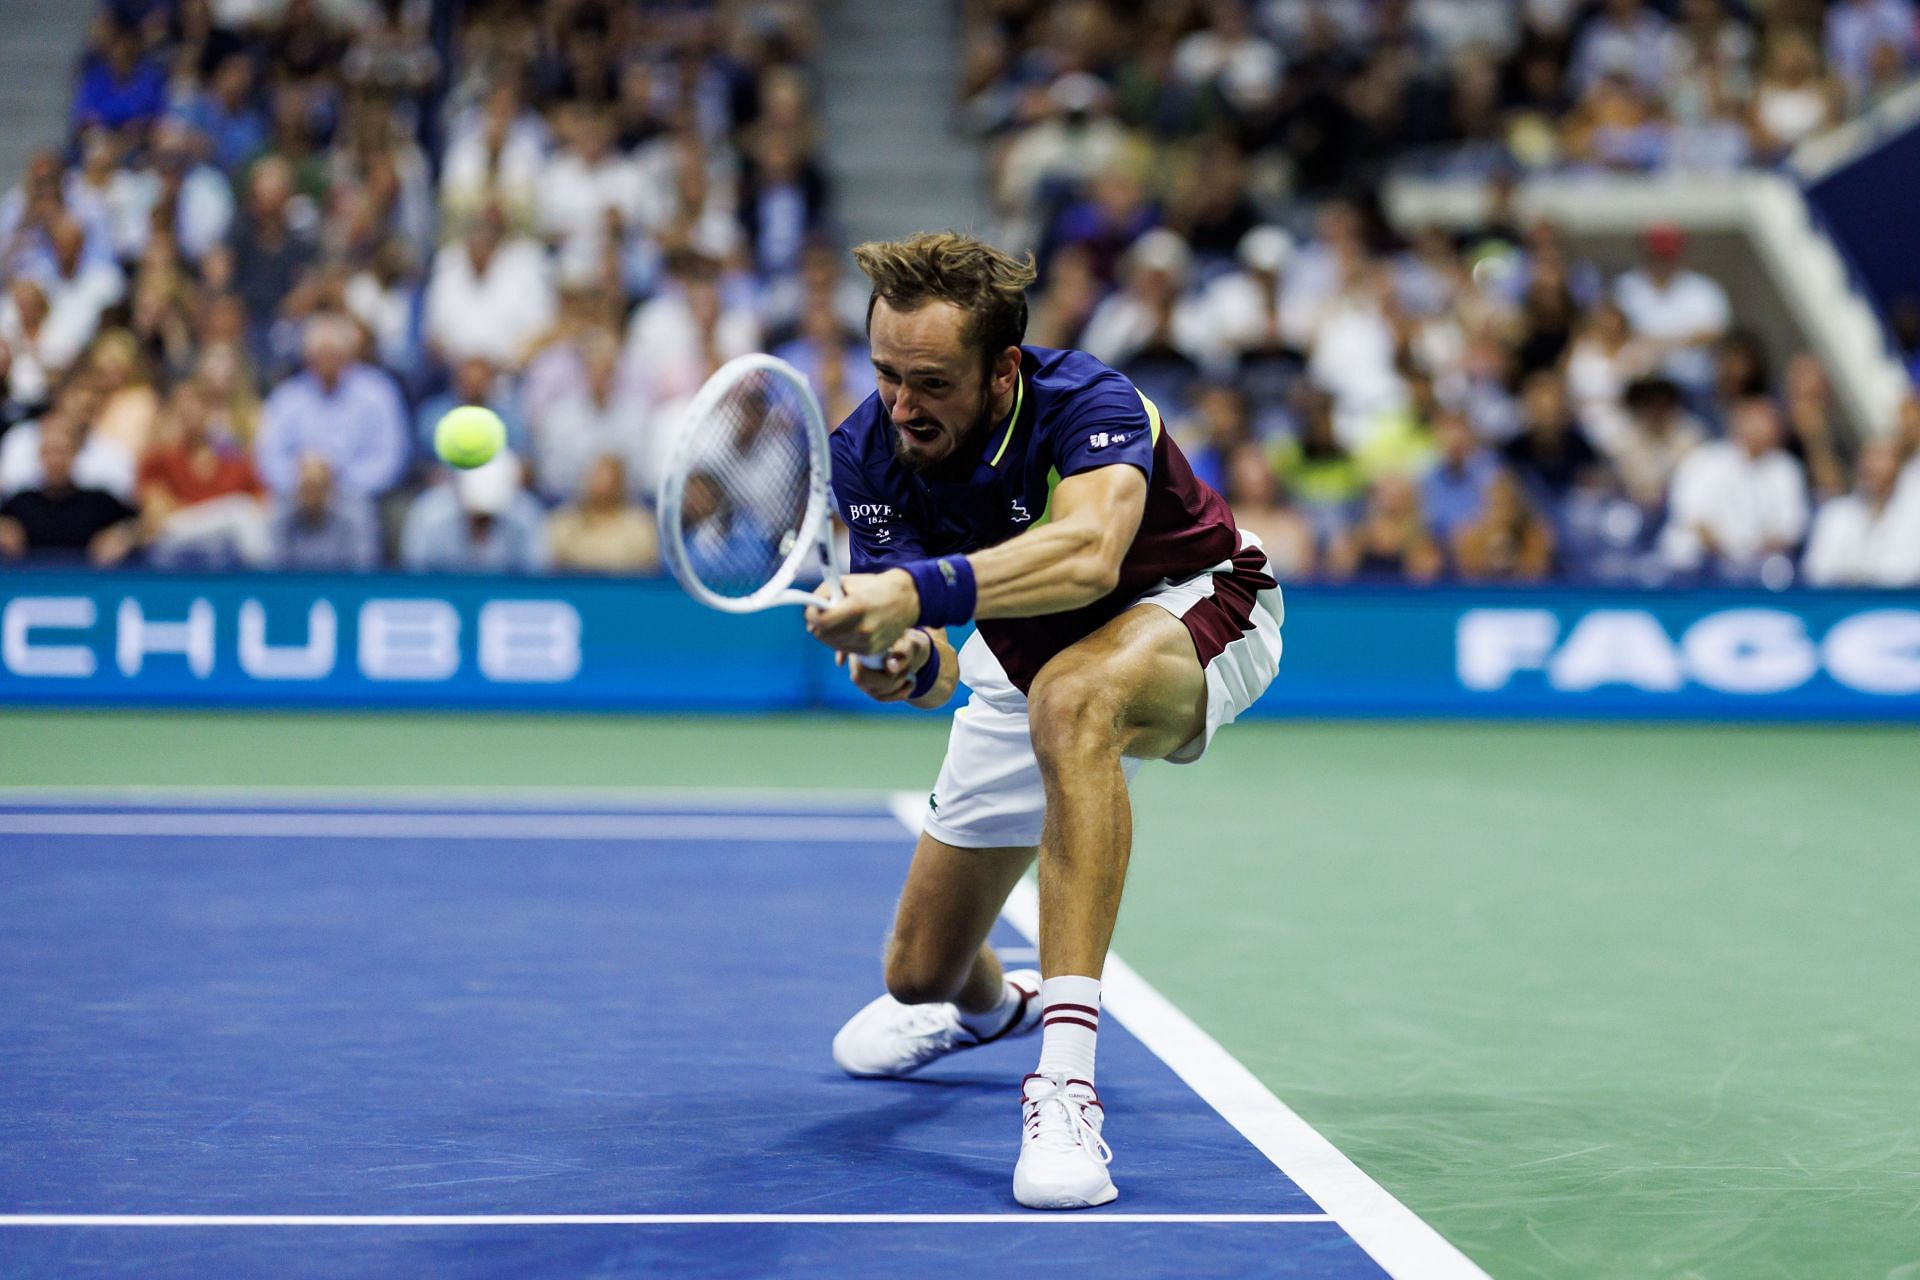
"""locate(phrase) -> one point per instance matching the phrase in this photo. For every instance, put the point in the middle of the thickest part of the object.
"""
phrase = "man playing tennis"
(1122, 617)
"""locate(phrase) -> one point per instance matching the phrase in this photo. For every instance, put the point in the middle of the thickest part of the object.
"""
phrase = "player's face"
(931, 381)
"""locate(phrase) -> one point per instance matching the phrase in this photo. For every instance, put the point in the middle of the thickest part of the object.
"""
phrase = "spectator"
(1244, 305)
(1602, 360)
(38, 352)
(1737, 503)
(1317, 469)
(832, 358)
(98, 464)
(725, 543)
(1151, 313)
(1259, 508)
(225, 113)
(1075, 138)
(1551, 455)
(200, 498)
(1679, 312)
(129, 403)
(488, 295)
(1454, 492)
(1795, 99)
(1657, 435)
(1626, 38)
(493, 161)
(78, 288)
(483, 521)
(1216, 431)
(1508, 541)
(347, 412)
(604, 532)
(1391, 540)
(602, 418)
(1858, 29)
(119, 85)
(686, 332)
(1870, 537)
(319, 527)
(267, 252)
(58, 518)
(1812, 434)
(783, 202)
(589, 194)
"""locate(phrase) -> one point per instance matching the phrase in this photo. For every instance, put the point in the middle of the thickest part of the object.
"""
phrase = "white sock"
(1069, 1027)
(996, 1019)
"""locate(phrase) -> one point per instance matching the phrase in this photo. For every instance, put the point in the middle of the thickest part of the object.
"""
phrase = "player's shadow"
(919, 1128)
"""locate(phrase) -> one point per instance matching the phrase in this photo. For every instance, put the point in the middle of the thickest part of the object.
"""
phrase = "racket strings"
(748, 481)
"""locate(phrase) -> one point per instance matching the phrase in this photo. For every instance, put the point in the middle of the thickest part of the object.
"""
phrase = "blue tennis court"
(255, 1034)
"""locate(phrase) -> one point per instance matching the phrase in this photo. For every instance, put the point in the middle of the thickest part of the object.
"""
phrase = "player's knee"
(1073, 715)
(913, 977)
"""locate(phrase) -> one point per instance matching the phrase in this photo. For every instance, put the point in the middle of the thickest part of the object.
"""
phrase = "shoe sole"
(1108, 1196)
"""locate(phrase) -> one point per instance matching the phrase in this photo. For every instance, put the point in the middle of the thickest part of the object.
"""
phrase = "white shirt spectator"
(1687, 304)
(359, 427)
(571, 209)
(1854, 545)
(202, 214)
(664, 342)
(1352, 357)
(1635, 46)
(494, 313)
(1855, 27)
(570, 434)
(471, 173)
(1245, 68)
(1743, 503)
(1125, 322)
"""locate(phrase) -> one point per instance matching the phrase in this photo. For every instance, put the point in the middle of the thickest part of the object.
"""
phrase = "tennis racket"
(746, 500)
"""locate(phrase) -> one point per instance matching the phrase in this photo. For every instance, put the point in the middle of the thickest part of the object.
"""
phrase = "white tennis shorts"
(989, 793)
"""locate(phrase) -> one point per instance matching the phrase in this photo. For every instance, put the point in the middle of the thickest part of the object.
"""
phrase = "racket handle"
(872, 661)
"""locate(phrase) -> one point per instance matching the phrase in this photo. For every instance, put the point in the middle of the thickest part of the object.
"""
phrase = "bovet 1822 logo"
(868, 512)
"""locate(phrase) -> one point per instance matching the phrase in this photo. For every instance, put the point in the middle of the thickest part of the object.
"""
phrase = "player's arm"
(1070, 561)
(907, 660)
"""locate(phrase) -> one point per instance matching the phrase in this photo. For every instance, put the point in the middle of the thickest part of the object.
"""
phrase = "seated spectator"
(1736, 503)
(1812, 429)
(119, 84)
(1402, 439)
(688, 330)
(200, 500)
(1795, 98)
(1656, 434)
(1244, 305)
(601, 418)
(483, 521)
(589, 193)
(475, 381)
(1116, 212)
(1259, 508)
(1551, 454)
(783, 202)
(39, 352)
(320, 527)
(58, 519)
(99, 464)
(832, 357)
(173, 187)
(488, 295)
(604, 532)
(1316, 468)
(226, 114)
(347, 412)
(494, 158)
(1217, 429)
(1454, 492)
(725, 543)
(1870, 537)
(1680, 313)
(79, 288)
(1508, 541)
(266, 253)
(1150, 312)
(1391, 541)
(129, 404)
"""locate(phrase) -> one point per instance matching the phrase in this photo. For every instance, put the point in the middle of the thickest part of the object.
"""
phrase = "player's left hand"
(873, 611)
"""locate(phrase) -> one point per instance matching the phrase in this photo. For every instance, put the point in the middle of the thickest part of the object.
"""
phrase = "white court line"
(1391, 1234)
(618, 1219)
(477, 798)
(440, 826)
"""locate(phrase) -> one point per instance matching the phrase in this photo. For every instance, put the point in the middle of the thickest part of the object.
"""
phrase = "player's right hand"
(894, 681)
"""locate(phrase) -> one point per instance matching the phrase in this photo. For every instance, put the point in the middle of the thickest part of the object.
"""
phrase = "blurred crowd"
(282, 238)
(1195, 177)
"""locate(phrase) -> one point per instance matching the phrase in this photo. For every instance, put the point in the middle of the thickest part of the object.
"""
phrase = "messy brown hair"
(945, 266)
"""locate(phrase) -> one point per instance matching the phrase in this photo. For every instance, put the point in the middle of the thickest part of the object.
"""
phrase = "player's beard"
(968, 444)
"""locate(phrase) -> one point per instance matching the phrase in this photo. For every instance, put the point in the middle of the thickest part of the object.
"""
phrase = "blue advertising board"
(81, 639)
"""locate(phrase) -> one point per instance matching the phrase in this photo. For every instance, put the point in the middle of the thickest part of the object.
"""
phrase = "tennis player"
(1121, 617)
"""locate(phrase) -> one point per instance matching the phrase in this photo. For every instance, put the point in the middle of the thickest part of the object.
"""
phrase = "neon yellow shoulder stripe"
(1153, 414)
(1013, 419)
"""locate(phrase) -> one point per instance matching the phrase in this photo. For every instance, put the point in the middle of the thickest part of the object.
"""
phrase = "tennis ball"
(469, 436)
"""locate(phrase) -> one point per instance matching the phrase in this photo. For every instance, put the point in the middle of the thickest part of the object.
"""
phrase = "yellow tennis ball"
(469, 436)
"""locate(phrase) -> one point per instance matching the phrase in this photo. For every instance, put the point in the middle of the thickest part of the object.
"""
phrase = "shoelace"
(1072, 1130)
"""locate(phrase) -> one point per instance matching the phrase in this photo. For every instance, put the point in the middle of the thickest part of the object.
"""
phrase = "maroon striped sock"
(1069, 1027)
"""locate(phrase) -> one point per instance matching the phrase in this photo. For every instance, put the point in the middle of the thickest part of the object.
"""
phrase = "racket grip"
(871, 661)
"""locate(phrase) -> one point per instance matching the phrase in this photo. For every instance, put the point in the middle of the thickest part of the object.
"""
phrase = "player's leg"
(938, 951)
(1135, 687)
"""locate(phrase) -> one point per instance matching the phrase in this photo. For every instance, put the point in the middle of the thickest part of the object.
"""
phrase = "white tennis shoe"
(1063, 1158)
(888, 1038)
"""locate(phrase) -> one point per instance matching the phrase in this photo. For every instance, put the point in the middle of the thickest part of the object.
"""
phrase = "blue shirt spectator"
(483, 522)
(475, 381)
(226, 114)
(349, 414)
(118, 86)
(1456, 489)
(322, 529)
